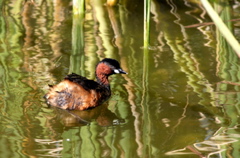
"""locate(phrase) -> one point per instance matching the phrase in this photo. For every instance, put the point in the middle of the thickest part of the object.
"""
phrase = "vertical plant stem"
(78, 7)
(222, 27)
(77, 57)
(147, 8)
(144, 102)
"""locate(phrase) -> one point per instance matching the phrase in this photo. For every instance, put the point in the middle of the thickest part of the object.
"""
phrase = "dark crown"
(114, 64)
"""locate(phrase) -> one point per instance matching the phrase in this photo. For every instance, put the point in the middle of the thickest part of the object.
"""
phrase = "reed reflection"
(71, 131)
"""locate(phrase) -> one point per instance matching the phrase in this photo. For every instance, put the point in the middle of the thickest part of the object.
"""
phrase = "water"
(179, 99)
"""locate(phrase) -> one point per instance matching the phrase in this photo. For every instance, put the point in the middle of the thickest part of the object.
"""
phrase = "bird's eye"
(116, 71)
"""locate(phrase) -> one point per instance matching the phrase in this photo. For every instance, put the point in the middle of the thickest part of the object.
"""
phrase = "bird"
(76, 92)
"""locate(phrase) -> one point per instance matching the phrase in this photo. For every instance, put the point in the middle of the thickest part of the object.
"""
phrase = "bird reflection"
(102, 115)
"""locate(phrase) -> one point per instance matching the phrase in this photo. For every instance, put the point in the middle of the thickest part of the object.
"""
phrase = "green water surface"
(179, 98)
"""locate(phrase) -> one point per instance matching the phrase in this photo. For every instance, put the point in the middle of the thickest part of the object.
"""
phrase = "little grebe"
(78, 93)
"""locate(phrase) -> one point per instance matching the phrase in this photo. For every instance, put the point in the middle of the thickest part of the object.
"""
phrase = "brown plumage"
(78, 93)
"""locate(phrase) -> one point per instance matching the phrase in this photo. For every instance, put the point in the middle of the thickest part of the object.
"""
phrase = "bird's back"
(77, 92)
(82, 81)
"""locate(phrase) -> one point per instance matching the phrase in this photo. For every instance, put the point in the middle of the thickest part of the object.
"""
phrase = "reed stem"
(147, 8)
(222, 27)
(78, 7)
(77, 56)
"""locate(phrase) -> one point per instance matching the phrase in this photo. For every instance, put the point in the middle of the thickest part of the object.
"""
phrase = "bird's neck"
(102, 79)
